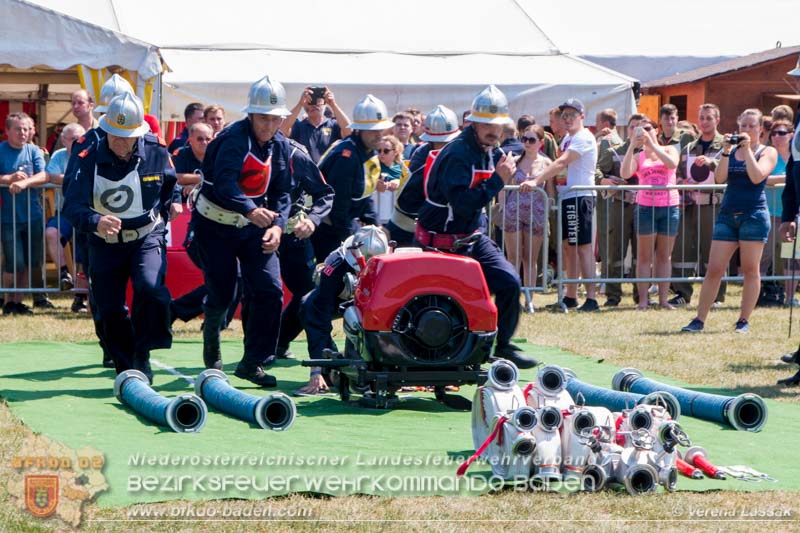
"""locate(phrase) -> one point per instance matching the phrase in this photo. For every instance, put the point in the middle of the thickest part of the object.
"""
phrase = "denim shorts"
(661, 220)
(742, 226)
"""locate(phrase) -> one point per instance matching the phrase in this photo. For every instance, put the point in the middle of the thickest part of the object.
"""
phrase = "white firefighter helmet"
(114, 86)
(441, 125)
(371, 241)
(796, 70)
(490, 107)
(267, 97)
(370, 114)
(125, 117)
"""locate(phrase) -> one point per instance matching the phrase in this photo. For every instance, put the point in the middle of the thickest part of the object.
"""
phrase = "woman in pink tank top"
(657, 210)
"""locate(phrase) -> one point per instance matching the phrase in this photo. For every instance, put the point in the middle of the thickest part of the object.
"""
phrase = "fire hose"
(183, 414)
(274, 411)
(616, 400)
(746, 412)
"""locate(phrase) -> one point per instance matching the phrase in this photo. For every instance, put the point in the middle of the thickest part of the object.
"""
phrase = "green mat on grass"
(60, 390)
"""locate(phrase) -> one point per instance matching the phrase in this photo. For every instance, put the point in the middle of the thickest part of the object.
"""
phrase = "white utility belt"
(130, 235)
(403, 221)
(213, 212)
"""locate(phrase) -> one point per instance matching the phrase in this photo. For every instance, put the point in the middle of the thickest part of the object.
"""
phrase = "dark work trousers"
(320, 308)
(144, 263)
(297, 269)
(324, 240)
(82, 257)
(502, 281)
(190, 305)
(692, 248)
(402, 237)
(616, 231)
(219, 246)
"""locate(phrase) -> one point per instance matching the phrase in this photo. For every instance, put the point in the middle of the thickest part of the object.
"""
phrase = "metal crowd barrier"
(36, 280)
(627, 253)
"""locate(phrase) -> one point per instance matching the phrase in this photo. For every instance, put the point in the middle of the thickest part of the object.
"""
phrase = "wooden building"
(756, 80)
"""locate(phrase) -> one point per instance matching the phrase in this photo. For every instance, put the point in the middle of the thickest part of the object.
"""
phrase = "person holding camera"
(657, 212)
(316, 131)
(743, 221)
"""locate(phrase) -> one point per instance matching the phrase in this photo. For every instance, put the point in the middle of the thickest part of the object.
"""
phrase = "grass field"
(624, 337)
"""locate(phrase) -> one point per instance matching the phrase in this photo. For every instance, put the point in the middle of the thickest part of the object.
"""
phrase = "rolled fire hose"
(183, 414)
(617, 401)
(746, 412)
(274, 411)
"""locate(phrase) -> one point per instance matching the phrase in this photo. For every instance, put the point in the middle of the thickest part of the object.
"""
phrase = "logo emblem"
(273, 99)
(121, 119)
(118, 199)
(379, 115)
(41, 495)
(492, 109)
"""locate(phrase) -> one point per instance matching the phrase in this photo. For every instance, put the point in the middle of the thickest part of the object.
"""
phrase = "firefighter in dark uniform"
(120, 195)
(463, 180)
(296, 253)
(240, 213)
(441, 127)
(335, 285)
(352, 168)
(115, 86)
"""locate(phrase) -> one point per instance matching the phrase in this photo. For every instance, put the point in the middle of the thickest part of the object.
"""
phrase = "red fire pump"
(417, 319)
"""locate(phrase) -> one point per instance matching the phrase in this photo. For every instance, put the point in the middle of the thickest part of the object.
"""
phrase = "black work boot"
(515, 355)
(284, 353)
(791, 358)
(212, 358)
(255, 374)
(141, 362)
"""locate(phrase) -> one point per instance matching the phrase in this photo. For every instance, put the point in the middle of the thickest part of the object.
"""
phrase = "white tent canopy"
(442, 54)
(533, 84)
(33, 36)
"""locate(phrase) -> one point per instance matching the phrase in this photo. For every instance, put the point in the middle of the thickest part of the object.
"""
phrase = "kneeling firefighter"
(336, 283)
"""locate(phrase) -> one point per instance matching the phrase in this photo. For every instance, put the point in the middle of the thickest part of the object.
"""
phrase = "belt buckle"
(128, 235)
(240, 222)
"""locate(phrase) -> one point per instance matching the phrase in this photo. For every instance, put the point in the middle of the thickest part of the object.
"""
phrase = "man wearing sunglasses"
(579, 159)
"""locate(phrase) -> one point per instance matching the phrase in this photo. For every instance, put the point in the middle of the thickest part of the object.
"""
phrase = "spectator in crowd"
(670, 132)
(607, 138)
(353, 170)
(82, 107)
(192, 113)
(22, 169)
(606, 129)
(781, 135)
(54, 139)
(509, 140)
(689, 127)
(657, 211)
(549, 147)
(189, 159)
(239, 217)
(441, 127)
(765, 140)
(403, 130)
(743, 220)
(617, 211)
(393, 173)
(417, 122)
(464, 119)
(58, 231)
(699, 160)
(463, 179)
(214, 116)
(557, 127)
(782, 112)
(579, 159)
(121, 194)
(525, 214)
(316, 131)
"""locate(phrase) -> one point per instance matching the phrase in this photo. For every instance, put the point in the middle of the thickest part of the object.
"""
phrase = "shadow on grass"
(765, 391)
(69, 372)
(12, 395)
(326, 406)
(144, 421)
